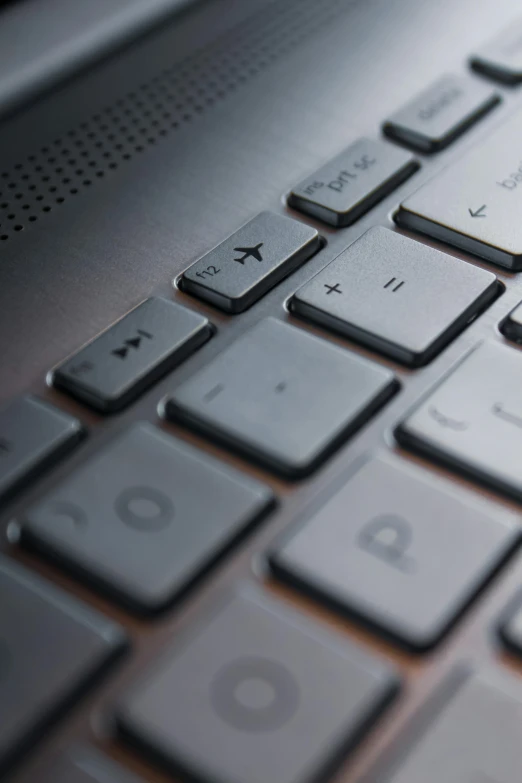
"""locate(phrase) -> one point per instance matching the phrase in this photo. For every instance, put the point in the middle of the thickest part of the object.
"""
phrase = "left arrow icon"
(478, 212)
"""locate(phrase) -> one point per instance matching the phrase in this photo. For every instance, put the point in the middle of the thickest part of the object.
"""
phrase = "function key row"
(342, 190)
(247, 264)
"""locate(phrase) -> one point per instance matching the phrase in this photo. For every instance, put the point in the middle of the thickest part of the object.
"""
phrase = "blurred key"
(472, 420)
(501, 57)
(475, 739)
(441, 113)
(33, 434)
(145, 517)
(257, 694)
(393, 546)
(51, 646)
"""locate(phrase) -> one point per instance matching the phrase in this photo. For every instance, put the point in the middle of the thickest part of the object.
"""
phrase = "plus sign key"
(377, 292)
(240, 270)
(353, 182)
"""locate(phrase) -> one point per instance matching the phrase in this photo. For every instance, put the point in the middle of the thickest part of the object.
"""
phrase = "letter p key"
(388, 537)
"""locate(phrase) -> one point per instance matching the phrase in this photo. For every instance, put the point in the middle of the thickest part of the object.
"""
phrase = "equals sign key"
(395, 287)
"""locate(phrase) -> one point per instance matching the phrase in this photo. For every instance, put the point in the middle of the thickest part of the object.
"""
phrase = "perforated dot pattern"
(84, 156)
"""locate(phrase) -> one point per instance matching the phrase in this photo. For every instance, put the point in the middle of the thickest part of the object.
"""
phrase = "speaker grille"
(83, 156)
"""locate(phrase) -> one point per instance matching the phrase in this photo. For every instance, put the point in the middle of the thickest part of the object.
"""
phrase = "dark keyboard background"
(272, 97)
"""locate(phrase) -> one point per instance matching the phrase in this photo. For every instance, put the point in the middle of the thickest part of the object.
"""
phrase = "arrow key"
(479, 213)
(475, 204)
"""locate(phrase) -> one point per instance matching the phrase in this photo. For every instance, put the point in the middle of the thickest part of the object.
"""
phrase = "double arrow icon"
(478, 212)
(132, 342)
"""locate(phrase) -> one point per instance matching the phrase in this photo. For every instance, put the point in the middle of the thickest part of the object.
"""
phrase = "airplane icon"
(249, 252)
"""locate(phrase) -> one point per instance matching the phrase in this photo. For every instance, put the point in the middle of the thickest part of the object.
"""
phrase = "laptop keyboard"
(253, 691)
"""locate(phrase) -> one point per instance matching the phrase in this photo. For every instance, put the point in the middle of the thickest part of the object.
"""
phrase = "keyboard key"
(51, 646)
(475, 739)
(393, 547)
(378, 293)
(501, 57)
(441, 113)
(132, 354)
(475, 203)
(81, 765)
(257, 694)
(511, 625)
(472, 421)
(257, 396)
(33, 435)
(240, 270)
(353, 182)
(512, 325)
(144, 518)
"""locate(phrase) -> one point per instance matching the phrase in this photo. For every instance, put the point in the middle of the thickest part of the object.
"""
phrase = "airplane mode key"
(240, 270)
